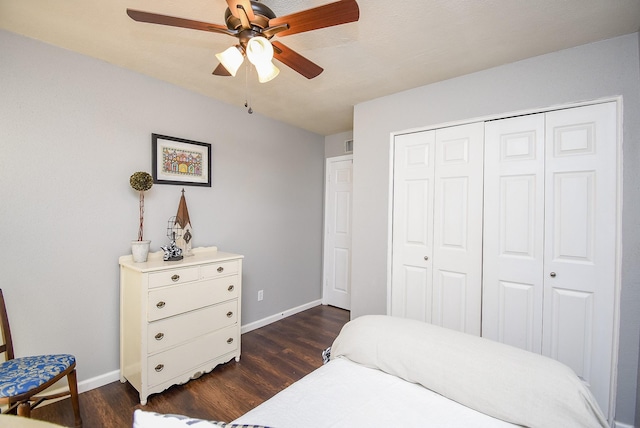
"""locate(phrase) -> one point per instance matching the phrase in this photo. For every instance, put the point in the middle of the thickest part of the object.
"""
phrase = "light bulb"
(266, 72)
(259, 50)
(260, 53)
(231, 59)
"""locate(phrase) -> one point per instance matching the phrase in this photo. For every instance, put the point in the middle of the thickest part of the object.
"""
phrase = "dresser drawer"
(173, 276)
(166, 365)
(172, 331)
(214, 270)
(169, 301)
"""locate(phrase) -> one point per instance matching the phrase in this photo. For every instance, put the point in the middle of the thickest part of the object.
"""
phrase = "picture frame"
(179, 161)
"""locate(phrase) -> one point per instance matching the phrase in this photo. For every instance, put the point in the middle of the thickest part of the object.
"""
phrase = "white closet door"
(411, 283)
(514, 231)
(580, 242)
(457, 254)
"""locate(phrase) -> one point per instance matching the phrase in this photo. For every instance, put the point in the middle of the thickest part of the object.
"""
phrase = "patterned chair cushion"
(21, 375)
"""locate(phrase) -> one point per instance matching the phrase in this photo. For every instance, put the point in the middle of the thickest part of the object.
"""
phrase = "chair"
(22, 379)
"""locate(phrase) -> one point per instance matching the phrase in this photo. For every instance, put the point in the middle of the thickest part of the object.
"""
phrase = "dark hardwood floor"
(273, 357)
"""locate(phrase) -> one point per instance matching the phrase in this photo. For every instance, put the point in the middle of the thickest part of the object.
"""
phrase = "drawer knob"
(220, 269)
(230, 340)
(175, 277)
(159, 336)
(159, 367)
(229, 314)
(230, 288)
(160, 305)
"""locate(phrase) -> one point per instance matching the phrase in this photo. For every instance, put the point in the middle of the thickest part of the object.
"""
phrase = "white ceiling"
(396, 45)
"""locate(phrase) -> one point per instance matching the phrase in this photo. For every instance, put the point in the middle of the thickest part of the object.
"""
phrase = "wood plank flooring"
(273, 357)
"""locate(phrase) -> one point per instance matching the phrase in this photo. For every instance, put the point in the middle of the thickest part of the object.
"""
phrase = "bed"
(388, 371)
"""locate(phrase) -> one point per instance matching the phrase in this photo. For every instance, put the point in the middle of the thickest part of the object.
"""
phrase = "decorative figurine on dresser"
(182, 227)
(178, 319)
(172, 252)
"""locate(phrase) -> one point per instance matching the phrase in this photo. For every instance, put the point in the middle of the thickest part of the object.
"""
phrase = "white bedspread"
(343, 394)
(386, 371)
(395, 372)
(496, 379)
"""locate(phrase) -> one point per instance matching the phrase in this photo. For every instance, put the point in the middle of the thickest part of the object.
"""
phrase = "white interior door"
(337, 238)
(514, 231)
(580, 243)
(412, 244)
(457, 230)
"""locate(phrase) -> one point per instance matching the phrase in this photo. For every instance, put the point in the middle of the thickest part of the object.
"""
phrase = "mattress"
(346, 394)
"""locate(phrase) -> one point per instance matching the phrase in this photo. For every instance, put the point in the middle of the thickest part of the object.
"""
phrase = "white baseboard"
(98, 381)
(104, 379)
(84, 386)
(620, 425)
(277, 317)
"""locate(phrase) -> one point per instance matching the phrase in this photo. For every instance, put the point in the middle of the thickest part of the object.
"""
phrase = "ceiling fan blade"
(154, 18)
(221, 71)
(340, 12)
(295, 61)
(235, 5)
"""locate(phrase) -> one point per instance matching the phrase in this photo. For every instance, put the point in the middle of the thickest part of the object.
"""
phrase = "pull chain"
(247, 102)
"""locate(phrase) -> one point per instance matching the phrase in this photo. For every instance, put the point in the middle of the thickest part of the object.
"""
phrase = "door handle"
(552, 274)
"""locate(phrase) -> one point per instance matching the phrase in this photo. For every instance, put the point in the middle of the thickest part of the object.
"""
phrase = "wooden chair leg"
(75, 402)
(24, 409)
(12, 409)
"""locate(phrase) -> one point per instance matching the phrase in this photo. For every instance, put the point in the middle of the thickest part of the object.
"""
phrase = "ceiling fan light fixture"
(260, 54)
(253, 24)
(231, 59)
(259, 51)
(266, 72)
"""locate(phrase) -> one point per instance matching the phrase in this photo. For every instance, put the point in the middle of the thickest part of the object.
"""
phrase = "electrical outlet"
(260, 295)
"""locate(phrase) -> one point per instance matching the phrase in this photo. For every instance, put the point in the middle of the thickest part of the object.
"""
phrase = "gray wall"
(72, 131)
(604, 69)
(334, 144)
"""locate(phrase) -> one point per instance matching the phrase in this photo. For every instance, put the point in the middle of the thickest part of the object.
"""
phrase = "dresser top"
(155, 262)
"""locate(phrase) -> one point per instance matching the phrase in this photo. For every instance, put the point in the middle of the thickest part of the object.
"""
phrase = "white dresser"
(178, 319)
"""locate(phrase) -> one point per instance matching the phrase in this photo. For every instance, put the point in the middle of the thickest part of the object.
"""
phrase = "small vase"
(140, 250)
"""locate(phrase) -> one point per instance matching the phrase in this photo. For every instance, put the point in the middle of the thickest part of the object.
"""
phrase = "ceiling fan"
(254, 24)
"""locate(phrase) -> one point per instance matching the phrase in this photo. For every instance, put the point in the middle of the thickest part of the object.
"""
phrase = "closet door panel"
(517, 315)
(411, 269)
(580, 242)
(451, 295)
(574, 219)
(513, 236)
(457, 275)
(571, 338)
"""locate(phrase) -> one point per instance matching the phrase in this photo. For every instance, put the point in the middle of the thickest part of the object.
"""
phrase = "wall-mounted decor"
(180, 161)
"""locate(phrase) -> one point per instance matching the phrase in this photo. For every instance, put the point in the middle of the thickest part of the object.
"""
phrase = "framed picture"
(180, 161)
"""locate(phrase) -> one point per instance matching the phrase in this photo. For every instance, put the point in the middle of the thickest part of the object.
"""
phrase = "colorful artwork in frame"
(180, 161)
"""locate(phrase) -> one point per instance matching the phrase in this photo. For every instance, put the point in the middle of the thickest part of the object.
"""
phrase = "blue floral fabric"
(21, 375)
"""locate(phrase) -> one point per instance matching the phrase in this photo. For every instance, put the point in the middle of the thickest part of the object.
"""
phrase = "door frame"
(619, 203)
